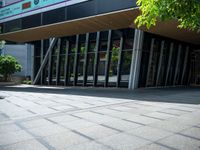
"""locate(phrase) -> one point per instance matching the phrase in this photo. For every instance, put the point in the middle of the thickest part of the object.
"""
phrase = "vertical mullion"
(58, 62)
(169, 62)
(177, 63)
(96, 61)
(150, 60)
(86, 59)
(49, 66)
(33, 64)
(120, 61)
(41, 60)
(66, 69)
(185, 64)
(76, 61)
(108, 57)
(160, 62)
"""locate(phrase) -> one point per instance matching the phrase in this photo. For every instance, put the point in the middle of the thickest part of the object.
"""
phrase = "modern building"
(96, 43)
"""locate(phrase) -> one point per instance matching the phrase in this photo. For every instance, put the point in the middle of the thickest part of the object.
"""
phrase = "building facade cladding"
(112, 58)
(76, 11)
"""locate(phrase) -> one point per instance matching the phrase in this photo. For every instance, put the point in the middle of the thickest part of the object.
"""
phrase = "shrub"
(8, 66)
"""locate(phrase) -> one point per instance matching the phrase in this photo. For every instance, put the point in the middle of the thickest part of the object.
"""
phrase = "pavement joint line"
(37, 138)
(152, 117)
(5, 115)
(115, 109)
(88, 103)
(30, 111)
(18, 105)
(196, 126)
(189, 136)
(134, 122)
(168, 113)
(130, 106)
(93, 111)
(104, 145)
(53, 108)
(50, 120)
(73, 115)
(111, 127)
(166, 146)
(181, 110)
(83, 135)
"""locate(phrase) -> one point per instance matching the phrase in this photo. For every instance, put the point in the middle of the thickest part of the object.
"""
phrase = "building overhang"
(113, 20)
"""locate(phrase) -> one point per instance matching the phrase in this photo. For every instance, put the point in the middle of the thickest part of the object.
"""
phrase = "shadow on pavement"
(188, 95)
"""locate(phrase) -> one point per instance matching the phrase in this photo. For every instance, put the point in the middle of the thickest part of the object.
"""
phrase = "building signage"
(25, 6)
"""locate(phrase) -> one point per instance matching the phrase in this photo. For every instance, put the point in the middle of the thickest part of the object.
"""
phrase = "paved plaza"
(50, 118)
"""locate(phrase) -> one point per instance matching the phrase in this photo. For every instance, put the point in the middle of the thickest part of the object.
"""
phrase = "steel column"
(52, 44)
(76, 61)
(160, 62)
(58, 62)
(136, 59)
(41, 60)
(86, 59)
(66, 69)
(169, 62)
(150, 60)
(185, 64)
(120, 61)
(108, 56)
(177, 64)
(96, 61)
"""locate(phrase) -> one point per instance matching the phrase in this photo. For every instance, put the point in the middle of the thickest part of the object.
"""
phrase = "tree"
(8, 66)
(186, 12)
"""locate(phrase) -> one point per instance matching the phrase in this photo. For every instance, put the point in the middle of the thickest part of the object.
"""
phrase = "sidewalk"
(42, 118)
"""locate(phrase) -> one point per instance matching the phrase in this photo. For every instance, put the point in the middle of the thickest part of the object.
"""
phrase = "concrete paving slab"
(123, 141)
(35, 117)
(149, 133)
(65, 139)
(181, 142)
(26, 145)
(97, 132)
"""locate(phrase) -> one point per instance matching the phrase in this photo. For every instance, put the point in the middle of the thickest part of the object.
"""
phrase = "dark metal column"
(52, 43)
(185, 64)
(120, 61)
(86, 59)
(49, 66)
(41, 60)
(96, 62)
(160, 62)
(76, 61)
(66, 69)
(150, 60)
(169, 62)
(58, 62)
(108, 56)
(177, 64)
(136, 59)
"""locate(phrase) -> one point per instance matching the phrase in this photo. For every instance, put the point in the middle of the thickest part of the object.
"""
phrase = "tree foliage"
(186, 12)
(8, 66)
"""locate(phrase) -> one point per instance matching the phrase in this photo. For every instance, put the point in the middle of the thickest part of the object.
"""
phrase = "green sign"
(25, 6)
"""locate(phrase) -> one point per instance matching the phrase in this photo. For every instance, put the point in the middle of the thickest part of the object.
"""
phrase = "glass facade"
(104, 59)
(165, 62)
(92, 59)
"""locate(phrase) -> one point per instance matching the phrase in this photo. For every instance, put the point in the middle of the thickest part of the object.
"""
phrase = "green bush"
(8, 66)
(26, 82)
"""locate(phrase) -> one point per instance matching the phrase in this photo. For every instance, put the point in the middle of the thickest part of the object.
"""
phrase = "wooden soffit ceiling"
(114, 20)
